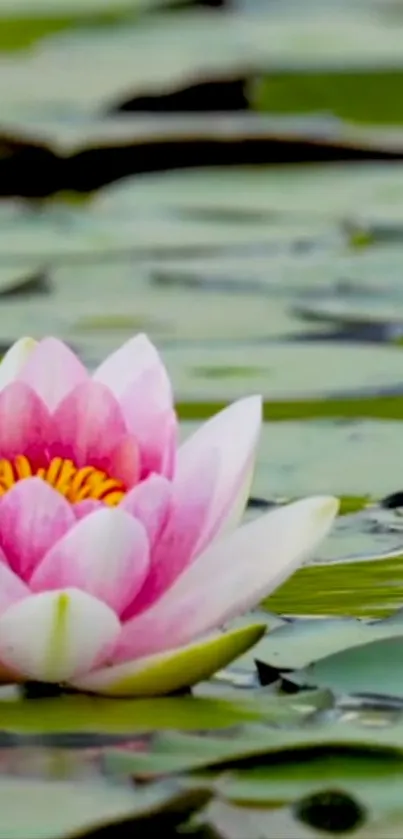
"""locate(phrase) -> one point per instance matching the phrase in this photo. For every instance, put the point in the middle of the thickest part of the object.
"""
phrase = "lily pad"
(164, 51)
(25, 22)
(335, 192)
(65, 809)
(147, 234)
(363, 588)
(100, 716)
(172, 753)
(359, 316)
(360, 461)
(373, 781)
(75, 8)
(184, 315)
(373, 667)
(299, 643)
(285, 371)
(340, 93)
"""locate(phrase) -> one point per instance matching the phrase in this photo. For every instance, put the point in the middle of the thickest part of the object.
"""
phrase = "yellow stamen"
(52, 474)
(22, 467)
(7, 478)
(75, 484)
(81, 477)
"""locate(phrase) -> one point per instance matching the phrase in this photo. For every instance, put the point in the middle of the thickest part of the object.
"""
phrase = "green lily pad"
(174, 752)
(285, 371)
(24, 22)
(71, 714)
(374, 781)
(359, 314)
(162, 53)
(153, 234)
(363, 588)
(75, 8)
(340, 93)
(297, 644)
(357, 461)
(335, 192)
(63, 809)
(373, 667)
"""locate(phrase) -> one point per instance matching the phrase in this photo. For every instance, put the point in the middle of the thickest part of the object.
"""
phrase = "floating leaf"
(364, 588)
(287, 371)
(375, 781)
(375, 667)
(301, 642)
(73, 714)
(174, 752)
(38, 810)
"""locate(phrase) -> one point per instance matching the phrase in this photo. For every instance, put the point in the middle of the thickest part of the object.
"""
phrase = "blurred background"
(227, 177)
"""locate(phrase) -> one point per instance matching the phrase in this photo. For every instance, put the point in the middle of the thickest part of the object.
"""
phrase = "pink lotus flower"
(119, 550)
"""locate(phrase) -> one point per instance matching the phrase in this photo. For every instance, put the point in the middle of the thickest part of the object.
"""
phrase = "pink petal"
(128, 363)
(232, 576)
(234, 434)
(24, 423)
(149, 416)
(136, 375)
(124, 461)
(168, 460)
(87, 426)
(12, 589)
(33, 516)
(105, 554)
(191, 493)
(84, 508)
(53, 370)
(149, 502)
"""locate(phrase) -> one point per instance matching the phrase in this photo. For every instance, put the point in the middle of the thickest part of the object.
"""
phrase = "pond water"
(229, 179)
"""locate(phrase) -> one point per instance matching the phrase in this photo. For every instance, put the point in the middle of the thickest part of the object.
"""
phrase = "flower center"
(75, 484)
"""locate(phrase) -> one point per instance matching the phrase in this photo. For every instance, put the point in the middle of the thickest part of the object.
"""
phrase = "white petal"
(232, 576)
(234, 434)
(14, 360)
(52, 371)
(57, 635)
(128, 363)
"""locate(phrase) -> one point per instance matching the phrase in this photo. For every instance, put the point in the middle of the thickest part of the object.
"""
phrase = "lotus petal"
(24, 423)
(105, 554)
(190, 503)
(52, 371)
(14, 360)
(233, 434)
(149, 502)
(232, 576)
(175, 669)
(57, 635)
(33, 516)
(12, 589)
(127, 364)
(87, 426)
